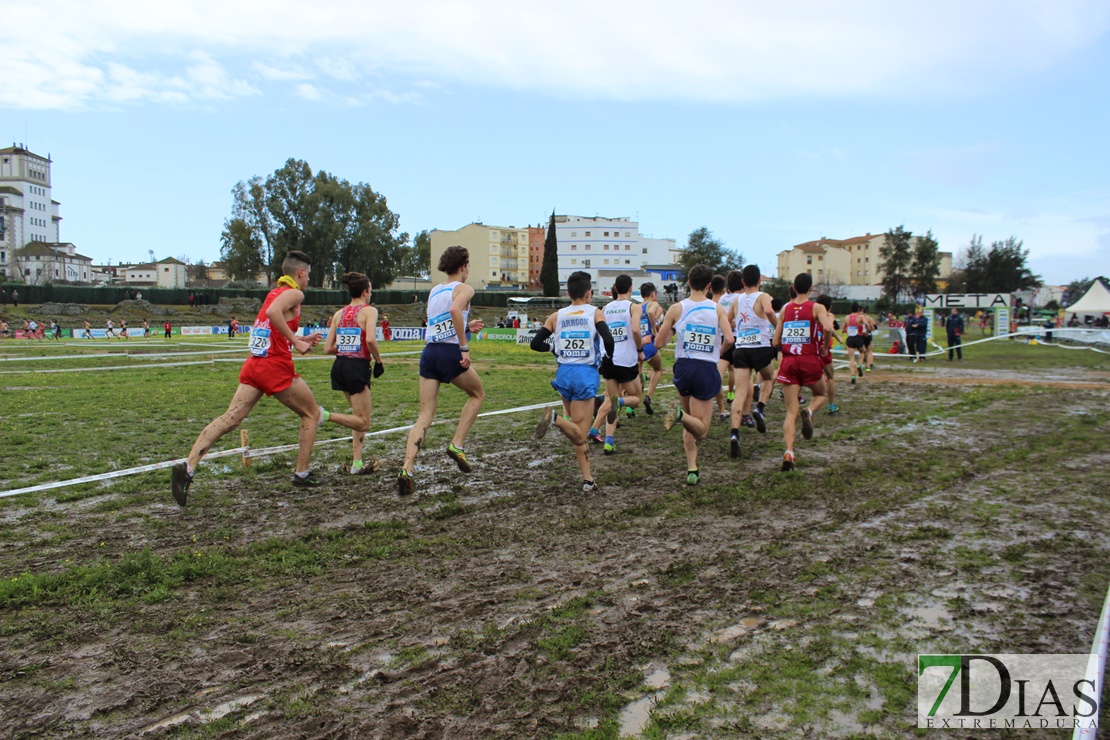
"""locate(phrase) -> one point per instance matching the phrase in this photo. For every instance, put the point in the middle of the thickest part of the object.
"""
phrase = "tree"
(1001, 269)
(241, 250)
(969, 275)
(702, 248)
(422, 257)
(249, 205)
(925, 265)
(549, 271)
(777, 288)
(895, 257)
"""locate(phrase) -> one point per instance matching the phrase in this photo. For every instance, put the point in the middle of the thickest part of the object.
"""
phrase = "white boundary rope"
(1096, 664)
(177, 364)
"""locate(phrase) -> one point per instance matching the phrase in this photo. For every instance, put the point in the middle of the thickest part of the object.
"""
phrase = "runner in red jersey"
(825, 351)
(351, 339)
(797, 332)
(268, 371)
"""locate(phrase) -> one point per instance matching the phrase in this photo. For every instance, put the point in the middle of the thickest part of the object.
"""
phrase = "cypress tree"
(549, 272)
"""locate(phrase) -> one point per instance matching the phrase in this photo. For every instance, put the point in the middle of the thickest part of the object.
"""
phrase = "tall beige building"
(498, 254)
(853, 261)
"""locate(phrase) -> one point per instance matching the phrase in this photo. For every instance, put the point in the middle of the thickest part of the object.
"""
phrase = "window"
(809, 260)
(866, 272)
(627, 247)
(574, 233)
(587, 247)
(809, 272)
(586, 263)
(628, 262)
(574, 247)
(606, 261)
(606, 247)
(606, 233)
(626, 235)
(820, 258)
(866, 259)
(574, 261)
(645, 250)
(587, 233)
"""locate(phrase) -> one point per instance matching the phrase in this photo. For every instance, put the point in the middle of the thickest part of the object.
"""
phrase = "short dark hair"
(647, 289)
(752, 276)
(578, 284)
(735, 281)
(856, 308)
(803, 281)
(453, 259)
(294, 261)
(699, 277)
(776, 304)
(622, 285)
(356, 283)
(825, 300)
(718, 284)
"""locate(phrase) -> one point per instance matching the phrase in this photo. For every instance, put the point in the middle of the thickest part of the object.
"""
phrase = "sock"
(189, 469)
(759, 406)
(736, 431)
(594, 432)
(356, 465)
(608, 439)
(302, 475)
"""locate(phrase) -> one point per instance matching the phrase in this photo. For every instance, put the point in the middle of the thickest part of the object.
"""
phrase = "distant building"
(595, 244)
(165, 273)
(537, 236)
(38, 263)
(27, 211)
(498, 254)
(839, 263)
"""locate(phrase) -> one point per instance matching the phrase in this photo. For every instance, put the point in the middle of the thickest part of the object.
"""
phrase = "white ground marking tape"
(36, 358)
(177, 364)
(1096, 663)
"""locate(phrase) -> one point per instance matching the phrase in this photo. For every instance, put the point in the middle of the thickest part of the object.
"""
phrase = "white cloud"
(308, 92)
(648, 49)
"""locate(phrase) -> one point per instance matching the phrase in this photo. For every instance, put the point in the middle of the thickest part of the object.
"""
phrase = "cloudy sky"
(769, 123)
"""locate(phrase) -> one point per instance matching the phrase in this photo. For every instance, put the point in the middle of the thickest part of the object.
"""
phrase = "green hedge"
(106, 295)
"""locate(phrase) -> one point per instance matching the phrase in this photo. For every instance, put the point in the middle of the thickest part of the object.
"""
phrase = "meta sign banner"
(948, 301)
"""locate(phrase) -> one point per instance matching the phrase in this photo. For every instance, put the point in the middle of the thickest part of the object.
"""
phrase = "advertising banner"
(195, 331)
(495, 334)
(407, 333)
(947, 301)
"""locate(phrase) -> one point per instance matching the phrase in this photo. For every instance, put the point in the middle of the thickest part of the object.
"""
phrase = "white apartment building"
(165, 273)
(601, 245)
(38, 263)
(27, 211)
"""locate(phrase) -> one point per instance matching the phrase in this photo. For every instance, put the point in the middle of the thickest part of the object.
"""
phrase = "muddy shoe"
(734, 448)
(748, 421)
(180, 482)
(807, 424)
(788, 462)
(405, 483)
(459, 457)
(692, 477)
(648, 407)
(360, 467)
(307, 481)
(614, 409)
(760, 422)
(609, 449)
(671, 418)
(589, 486)
(546, 422)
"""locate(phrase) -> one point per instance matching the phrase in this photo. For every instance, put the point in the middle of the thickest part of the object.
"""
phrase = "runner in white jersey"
(701, 328)
(727, 297)
(651, 316)
(621, 368)
(446, 359)
(753, 319)
(577, 334)
(351, 338)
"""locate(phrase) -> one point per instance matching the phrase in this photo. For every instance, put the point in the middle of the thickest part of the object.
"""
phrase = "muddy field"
(926, 517)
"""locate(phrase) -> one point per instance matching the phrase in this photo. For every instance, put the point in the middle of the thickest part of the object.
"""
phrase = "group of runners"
(727, 329)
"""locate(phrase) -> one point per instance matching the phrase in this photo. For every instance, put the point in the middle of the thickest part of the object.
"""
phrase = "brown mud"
(506, 603)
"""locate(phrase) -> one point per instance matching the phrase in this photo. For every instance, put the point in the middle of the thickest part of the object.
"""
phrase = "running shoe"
(648, 407)
(597, 438)
(853, 380)
(833, 408)
(180, 482)
(734, 448)
(748, 421)
(359, 467)
(859, 371)
(788, 462)
(868, 368)
(672, 418)
(546, 422)
(307, 481)
(692, 477)
(760, 422)
(459, 457)
(807, 424)
(608, 449)
(724, 416)
(405, 483)
(630, 412)
(614, 409)
(325, 415)
(589, 486)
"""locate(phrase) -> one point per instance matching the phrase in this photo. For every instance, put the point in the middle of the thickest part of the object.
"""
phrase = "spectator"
(138, 295)
(516, 322)
(3, 296)
(168, 328)
(1049, 325)
(192, 300)
(916, 327)
(954, 328)
(15, 298)
(232, 327)
(387, 332)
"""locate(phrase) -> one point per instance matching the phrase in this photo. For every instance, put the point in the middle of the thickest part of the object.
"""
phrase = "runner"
(797, 334)
(824, 346)
(753, 316)
(621, 366)
(233, 325)
(855, 327)
(701, 328)
(351, 339)
(446, 359)
(109, 328)
(719, 294)
(55, 329)
(87, 333)
(870, 327)
(123, 330)
(651, 315)
(146, 328)
(731, 287)
(268, 371)
(579, 332)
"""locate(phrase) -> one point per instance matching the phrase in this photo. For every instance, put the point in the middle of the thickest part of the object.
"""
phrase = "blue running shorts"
(576, 382)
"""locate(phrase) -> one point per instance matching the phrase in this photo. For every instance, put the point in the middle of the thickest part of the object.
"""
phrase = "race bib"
(441, 328)
(348, 340)
(574, 344)
(645, 326)
(853, 331)
(619, 330)
(698, 338)
(795, 332)
(747, 337)
(260, 342)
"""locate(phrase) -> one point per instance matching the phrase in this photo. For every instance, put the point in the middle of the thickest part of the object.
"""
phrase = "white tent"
(1096, 301)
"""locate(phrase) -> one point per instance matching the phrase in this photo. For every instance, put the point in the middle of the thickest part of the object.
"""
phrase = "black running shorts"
(753, 358)
(619, 373)
(350, 375)
(856, 342)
